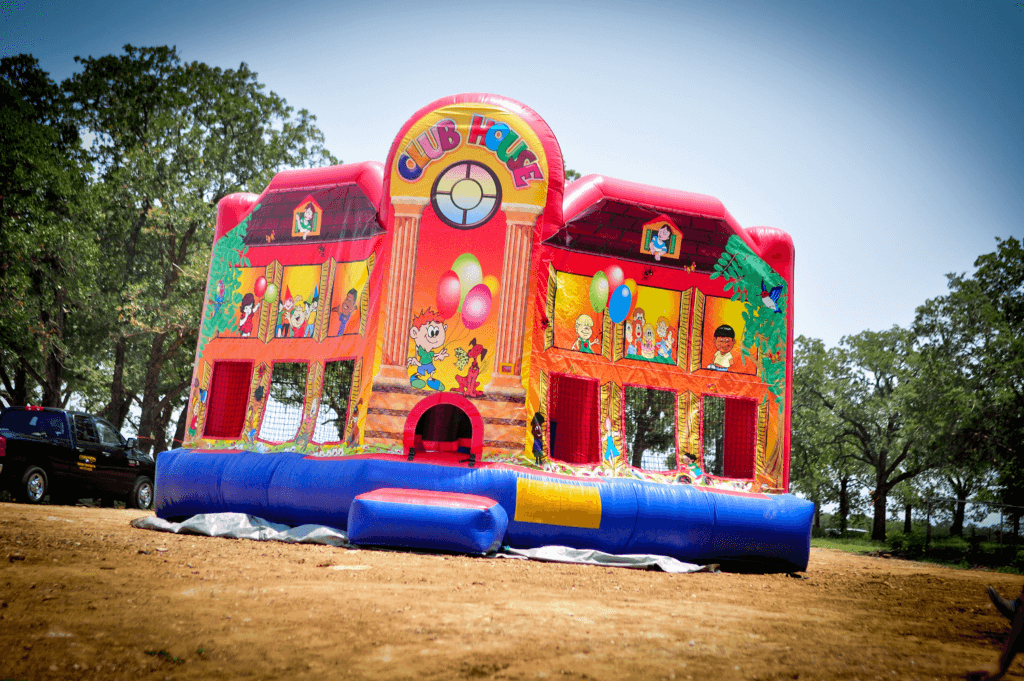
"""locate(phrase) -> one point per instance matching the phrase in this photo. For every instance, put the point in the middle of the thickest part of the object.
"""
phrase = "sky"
(886, 137)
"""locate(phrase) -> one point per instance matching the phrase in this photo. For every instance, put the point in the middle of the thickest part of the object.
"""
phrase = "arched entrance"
(444, 423)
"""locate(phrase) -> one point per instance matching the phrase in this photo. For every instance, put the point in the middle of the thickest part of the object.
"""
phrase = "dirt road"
(86, 596)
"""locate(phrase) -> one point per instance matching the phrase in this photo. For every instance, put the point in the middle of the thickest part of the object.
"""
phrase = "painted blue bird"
(771, 298)
(218, 300)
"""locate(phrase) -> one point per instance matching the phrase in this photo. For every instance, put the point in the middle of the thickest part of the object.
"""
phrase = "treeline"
(933, 410)
(109, 183)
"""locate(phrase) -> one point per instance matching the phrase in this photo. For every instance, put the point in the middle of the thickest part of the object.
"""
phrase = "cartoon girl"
(647, 343)
(666, 339)
(246, 312)
(630, 343)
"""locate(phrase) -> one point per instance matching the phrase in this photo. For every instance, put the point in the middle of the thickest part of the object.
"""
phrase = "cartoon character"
(311, 308)
(584, 335)
(305, 223)
(631, 348)
(353, 425)
(428, 335)
(666, 339)
(771, 298)
(284, 310)
(694, 469)
(610, 450)
(296, 318)
(218, 299)
(246, 313)
(725, 340)
(197, 410)
(659, 242)
(468, 383)
(346, 310)
(537, 426)
(647, 343)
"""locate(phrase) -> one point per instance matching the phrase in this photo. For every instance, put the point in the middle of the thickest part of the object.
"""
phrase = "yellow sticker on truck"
(556, 503)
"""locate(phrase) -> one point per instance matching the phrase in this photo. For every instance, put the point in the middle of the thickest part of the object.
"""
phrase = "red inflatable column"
(515, 284)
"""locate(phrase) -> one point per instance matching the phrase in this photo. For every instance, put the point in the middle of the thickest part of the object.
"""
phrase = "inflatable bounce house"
(455, 351)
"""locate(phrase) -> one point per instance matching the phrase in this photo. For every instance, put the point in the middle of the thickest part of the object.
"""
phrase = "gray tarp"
(243, 526)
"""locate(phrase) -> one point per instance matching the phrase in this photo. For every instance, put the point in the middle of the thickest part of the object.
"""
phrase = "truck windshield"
(38, 423)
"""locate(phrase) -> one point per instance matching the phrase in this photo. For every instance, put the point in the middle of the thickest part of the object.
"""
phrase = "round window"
(466, 195)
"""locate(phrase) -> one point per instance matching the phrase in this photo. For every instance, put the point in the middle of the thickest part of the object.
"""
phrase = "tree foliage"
(107, 246)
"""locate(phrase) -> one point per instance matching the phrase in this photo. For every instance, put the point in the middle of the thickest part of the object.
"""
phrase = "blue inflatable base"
(619, 516)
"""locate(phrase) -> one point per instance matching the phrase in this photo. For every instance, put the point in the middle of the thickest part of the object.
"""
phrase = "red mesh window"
(229, 392)
(575, 406)
(740, 438)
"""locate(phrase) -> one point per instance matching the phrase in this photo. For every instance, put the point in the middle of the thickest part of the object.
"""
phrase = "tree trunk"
(908, 526)
(844, 505)
(957, 528)
(53, 365)
(878, 524)
(150, 416)
(179, 430)
(116, 410)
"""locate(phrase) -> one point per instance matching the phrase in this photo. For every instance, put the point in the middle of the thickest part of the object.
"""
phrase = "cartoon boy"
(428, 333)
(630, 343)
(537, 426)
(305, 223)
(296, 318)
(659, 242)
(584, 334)
(284, 310)
(725, 340)
(693, 468)
(347, 309)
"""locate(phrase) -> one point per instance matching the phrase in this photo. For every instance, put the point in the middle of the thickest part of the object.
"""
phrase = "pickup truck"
(71, 455)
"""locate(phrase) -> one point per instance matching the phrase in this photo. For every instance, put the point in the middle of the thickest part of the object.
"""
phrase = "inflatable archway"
(608, 363)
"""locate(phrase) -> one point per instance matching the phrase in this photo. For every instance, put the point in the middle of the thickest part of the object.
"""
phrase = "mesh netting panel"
(330, 421)
(574, 414)
(713, 432)
(283, 414)
(651, 428)
(228, 395)
(740, 438)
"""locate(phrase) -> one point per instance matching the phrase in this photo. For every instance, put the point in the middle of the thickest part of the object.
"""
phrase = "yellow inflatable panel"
(556, 503)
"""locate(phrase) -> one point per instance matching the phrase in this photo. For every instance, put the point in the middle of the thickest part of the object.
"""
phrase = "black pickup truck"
(70, 456)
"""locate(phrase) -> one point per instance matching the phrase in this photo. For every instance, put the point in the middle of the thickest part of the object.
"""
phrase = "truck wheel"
(142, 494)
(33, 486)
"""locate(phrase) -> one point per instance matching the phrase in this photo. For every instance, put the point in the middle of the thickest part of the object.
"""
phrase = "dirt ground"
(83, 595)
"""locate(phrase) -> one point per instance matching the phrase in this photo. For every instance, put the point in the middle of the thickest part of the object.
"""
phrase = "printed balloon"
(620, 304)
(270, 295)
(634, 292)
(491, 282)
(476, 307)
(470, 273)
(599, 292)
(449, 292)
(260, 287)
(615, 277)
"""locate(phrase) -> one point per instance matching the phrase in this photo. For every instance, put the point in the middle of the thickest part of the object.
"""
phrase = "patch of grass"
(850, 544)
(164, 655)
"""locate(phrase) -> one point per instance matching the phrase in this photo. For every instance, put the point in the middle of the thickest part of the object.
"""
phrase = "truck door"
(113, 467)
(89, 451)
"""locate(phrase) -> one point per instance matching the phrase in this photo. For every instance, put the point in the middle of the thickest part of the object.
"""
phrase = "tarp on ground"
(245, 526)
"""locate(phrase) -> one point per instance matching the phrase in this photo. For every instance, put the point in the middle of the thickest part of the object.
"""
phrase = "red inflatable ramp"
(412, 518)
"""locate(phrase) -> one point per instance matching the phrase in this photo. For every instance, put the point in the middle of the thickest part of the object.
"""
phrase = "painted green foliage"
(222, 289)
(764, 329)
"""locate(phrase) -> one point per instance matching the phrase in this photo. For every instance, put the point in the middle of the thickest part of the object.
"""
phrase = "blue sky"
(887, 138)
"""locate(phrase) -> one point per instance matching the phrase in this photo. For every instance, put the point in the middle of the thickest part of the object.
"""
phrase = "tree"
(170, 139)
(972, 349)
(48, 250)
(822, 466)
(866, 383)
